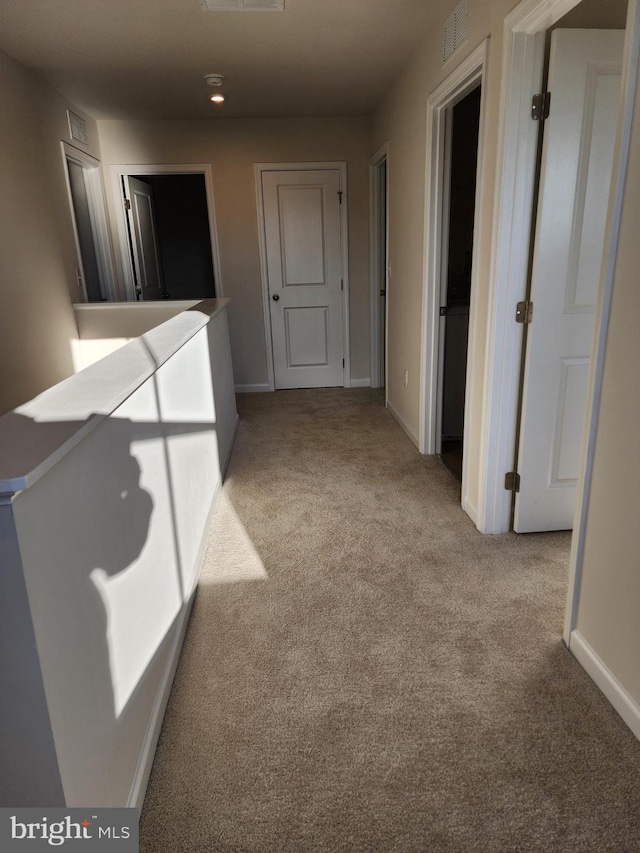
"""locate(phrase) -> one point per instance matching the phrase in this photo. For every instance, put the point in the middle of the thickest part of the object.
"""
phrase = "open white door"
(575, 181)
(144, 240)
(304, 269)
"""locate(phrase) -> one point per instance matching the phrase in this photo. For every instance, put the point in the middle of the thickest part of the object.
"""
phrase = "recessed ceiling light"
(218, 98)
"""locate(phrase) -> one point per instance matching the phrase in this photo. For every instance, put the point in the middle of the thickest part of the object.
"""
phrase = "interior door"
(84, 229)
(304, 268)
(575, 181)
(144, 238)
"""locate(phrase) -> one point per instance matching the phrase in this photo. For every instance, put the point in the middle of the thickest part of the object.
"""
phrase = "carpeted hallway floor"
(365, 672)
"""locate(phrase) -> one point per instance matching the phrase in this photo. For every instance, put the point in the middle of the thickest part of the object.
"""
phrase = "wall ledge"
(35, 436)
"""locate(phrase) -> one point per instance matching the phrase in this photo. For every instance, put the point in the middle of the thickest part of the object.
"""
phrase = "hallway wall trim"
(606, 681)
(406, 428)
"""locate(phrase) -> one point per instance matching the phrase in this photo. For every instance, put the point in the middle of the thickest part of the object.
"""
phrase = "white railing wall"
(107, 483)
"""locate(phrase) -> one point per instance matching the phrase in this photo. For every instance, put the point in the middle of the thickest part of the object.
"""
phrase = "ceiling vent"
(78, 128)
(242, 5)
(456, 30)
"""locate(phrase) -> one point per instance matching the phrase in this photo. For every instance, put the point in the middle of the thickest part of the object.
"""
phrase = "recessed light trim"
(214, 79)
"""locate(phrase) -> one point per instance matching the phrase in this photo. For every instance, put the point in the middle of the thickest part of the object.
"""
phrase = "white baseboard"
(148, 751)
(225, 462)
(405, 427)
(252, 389)
(361, 383)
(624, 704)
(471, 510)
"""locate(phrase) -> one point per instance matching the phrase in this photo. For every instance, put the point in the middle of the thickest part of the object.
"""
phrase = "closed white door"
(577, 161)
(144, 238)
(304, 269)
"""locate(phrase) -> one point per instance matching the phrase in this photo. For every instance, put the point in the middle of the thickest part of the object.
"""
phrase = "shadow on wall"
(110, 536)
(108, 585)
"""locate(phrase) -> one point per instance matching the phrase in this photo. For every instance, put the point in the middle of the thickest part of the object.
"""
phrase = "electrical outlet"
(406, 378)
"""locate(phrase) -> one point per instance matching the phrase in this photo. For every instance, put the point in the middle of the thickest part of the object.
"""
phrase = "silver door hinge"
(512, 481)
(524, 312)
(540, 106)
(340, 195)
(127, 204)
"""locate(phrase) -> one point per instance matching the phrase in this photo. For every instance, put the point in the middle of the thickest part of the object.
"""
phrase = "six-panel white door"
(575, 181)
(304, 269)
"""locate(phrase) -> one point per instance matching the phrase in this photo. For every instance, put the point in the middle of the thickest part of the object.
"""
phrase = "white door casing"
(463, 79)
(380, 267)
(144, 240)
(577, 161)
(303, 248)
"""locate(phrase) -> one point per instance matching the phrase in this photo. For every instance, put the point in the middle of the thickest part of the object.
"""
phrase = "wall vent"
(456, 30)
(242, 5)
(78, 128)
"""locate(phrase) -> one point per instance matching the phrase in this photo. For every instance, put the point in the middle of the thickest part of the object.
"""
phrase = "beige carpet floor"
(364, 671)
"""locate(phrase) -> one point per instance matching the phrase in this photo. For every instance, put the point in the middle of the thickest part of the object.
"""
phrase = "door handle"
(275, 297)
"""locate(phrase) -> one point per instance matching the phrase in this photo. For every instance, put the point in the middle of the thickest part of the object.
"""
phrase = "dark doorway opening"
(464, 124)
(181, 224)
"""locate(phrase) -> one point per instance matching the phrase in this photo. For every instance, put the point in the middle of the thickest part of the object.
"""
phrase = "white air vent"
(242, 5)
(456, 30)
(78, 128)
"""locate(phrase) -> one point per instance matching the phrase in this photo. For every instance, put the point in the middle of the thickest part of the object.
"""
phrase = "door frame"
(465, 78)
(521, 78)
(92, 173)
(341, 167)
(117, 172)
(375, 212)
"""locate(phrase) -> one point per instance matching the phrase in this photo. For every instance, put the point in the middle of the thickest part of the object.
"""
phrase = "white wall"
(232, 147)
(609, 599)
(37, 249)
(400, 119)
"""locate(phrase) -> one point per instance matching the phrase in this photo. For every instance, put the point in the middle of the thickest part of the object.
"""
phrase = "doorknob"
(275, 297)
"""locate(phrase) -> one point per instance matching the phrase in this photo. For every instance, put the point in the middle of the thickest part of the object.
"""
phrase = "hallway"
(364, 671)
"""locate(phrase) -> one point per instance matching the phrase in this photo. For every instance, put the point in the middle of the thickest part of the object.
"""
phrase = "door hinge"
(343, 363)
(340, 195)
(540, 106)
(127, 204)
(443, 310)
(341, 284)
(512, 481)
(524, 312)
